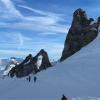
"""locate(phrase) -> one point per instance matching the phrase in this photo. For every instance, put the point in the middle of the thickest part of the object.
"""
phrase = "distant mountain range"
(5, 62)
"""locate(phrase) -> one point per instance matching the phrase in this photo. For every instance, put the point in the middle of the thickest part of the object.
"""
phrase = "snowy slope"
(76, 77)
(3, 63)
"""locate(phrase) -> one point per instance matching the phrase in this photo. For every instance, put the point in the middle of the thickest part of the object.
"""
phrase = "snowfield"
(77, 78)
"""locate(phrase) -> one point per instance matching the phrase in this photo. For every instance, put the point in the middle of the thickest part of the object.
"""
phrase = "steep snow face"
(39, 61)
(14, 61)
(6, 65)
(95, 21)
(5, 73)
(3, 63)
(77, 78)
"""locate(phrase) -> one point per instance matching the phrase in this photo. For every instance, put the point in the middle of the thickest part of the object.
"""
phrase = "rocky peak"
(80, 33)
(45, 59)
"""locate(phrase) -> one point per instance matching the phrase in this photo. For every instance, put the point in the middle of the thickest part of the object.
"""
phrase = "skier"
(28, 78)
(64, 97)
(35, 79)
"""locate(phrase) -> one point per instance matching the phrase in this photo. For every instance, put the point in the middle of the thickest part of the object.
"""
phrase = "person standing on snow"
(28, 78)
(64, 97)
(35, 78)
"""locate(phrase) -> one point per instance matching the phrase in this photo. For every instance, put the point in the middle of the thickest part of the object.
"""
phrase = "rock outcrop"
(45, 59)
(29, 65)
(81, 32)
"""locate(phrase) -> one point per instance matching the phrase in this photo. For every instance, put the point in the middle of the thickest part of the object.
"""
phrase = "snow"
(3, 63)
(7, 65)
(93, 22)
(5, 73)
(14, 61)
(77, 78)
(39, 61)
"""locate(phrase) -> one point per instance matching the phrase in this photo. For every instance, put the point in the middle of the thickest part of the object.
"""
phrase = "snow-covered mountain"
(77, 78)
(5, 62)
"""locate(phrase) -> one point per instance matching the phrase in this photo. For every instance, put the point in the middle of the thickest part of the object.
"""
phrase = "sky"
(27, 26)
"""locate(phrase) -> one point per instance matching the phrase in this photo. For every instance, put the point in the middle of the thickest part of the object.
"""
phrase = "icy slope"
(77, 76)
(3, 63)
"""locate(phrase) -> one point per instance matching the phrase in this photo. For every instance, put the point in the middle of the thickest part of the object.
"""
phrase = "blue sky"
(26, 26)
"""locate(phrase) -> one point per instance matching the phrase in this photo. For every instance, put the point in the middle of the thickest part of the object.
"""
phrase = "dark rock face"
(23, 70)
(29, 66)
(45, 60)
(80, 33)
(64, 97)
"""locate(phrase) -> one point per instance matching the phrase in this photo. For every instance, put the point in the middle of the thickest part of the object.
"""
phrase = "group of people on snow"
(29, 78)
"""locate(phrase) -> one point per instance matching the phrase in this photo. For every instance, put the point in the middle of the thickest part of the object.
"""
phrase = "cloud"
(36, 27)
(17, 43)
(33, 10)
(19, 1)
(13, 40)
(22, 40)
(10, 10)
(44, 22)
(15, 53)
(40, 11)
(45, 18)
(48, 33)
(54, 51)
